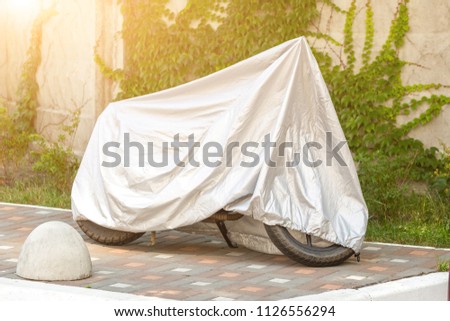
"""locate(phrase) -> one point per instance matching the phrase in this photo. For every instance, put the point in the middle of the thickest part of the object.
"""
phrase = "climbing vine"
(22, 150)
(28, 86)
(369, 101)
(164, 49)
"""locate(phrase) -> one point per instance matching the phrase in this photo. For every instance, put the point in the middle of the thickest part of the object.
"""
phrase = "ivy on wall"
(163, 50)
(28, 86)
(369, 100)
(22, 150)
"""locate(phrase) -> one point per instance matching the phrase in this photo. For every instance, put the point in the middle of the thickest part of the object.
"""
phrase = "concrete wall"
(69, 78)
(427, 44)
(14, 37)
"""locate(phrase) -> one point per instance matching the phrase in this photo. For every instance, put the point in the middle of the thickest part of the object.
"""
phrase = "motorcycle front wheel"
(306, 252)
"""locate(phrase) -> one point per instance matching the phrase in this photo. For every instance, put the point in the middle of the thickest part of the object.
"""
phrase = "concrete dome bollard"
(54, 251)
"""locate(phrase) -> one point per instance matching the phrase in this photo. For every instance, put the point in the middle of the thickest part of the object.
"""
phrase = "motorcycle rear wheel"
(307, 254)
(105, 235)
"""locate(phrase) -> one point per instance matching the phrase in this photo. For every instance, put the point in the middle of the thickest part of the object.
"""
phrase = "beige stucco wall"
(14, 37)
(427, 44)
(69, 78)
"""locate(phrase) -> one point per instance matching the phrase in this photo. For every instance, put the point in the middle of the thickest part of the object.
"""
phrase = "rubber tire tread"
(105, 235)
(304, 254)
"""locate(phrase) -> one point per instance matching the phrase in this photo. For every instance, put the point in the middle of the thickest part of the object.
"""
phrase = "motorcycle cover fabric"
(280, 94)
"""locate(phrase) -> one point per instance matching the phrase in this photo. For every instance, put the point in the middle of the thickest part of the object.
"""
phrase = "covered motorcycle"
(260, 138)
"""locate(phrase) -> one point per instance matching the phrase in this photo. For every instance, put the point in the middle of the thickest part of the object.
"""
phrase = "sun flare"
(23, 4)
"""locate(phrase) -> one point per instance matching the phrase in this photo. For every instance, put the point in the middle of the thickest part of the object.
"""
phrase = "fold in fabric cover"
(277, 96)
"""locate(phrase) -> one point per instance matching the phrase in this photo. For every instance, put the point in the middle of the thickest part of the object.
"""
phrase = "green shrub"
(56, 161)
(22, 153)
(441, 180)
(13, 147)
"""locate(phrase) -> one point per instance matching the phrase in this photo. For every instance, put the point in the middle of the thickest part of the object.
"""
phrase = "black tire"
(306, 254)
(107, 236)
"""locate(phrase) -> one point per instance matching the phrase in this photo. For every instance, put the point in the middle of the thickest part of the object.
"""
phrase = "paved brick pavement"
(192, 267)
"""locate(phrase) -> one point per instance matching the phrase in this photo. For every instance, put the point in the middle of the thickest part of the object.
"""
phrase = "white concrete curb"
(430, 287)
(408, 246)
(36, 206)
(21, 290)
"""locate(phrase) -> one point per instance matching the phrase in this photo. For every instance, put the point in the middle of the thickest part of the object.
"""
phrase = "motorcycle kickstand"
(223, 230)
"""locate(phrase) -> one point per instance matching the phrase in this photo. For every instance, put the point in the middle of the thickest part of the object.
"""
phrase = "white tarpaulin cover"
(279, 94)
